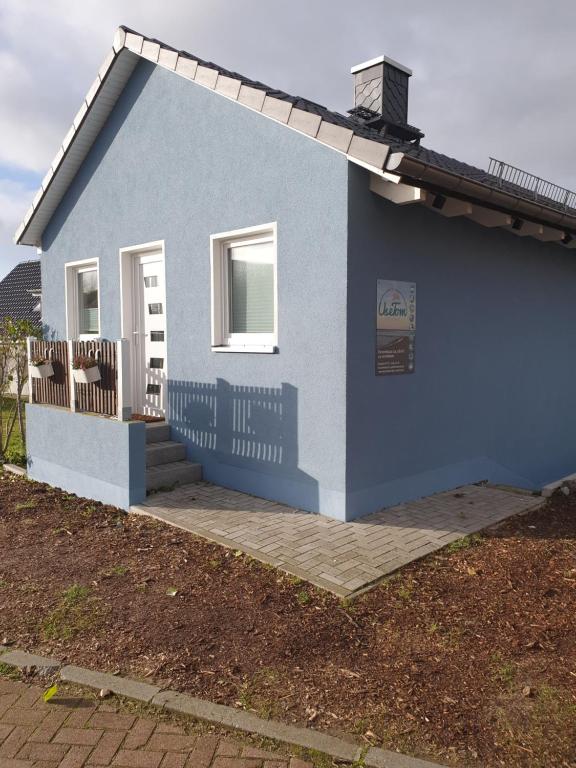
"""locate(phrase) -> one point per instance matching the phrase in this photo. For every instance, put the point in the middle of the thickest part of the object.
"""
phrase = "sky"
(491, 78)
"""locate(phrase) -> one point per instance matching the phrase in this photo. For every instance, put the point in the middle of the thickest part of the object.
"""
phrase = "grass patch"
(464, 543)
(30, 504)
(74, 613)
(115, 570)
(12, 673)
(258, 694)
(15, 449)
(406, 590)
(303, 597)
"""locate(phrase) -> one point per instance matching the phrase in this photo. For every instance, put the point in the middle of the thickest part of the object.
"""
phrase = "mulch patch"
(467, 657)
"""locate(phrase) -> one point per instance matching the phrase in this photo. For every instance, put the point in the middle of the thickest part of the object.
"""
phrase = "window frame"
(72, 270)
(223, 340)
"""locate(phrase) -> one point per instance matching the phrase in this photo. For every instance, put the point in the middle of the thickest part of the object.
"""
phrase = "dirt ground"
(467, 657)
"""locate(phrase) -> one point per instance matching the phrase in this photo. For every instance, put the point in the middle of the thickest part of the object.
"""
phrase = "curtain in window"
(251, 282)
(88, 301)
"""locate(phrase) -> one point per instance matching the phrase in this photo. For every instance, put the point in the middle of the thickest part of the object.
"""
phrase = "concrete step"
(164, 452)
(157, 431)
(175, 473)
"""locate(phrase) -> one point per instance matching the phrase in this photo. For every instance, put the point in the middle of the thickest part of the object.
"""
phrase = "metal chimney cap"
(380, 60)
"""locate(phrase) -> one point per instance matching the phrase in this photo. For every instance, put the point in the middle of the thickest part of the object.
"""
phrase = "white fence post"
(124, 392)
(29, 356)
(71, 375)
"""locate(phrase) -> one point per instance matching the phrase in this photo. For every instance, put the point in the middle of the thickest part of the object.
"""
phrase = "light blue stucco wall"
(492, 396)
(177, 162)
(88, 455)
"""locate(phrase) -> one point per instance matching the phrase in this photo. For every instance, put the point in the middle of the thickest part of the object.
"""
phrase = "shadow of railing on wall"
(253, 428)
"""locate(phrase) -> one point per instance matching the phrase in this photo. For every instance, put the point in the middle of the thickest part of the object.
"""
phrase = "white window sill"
(266, 349)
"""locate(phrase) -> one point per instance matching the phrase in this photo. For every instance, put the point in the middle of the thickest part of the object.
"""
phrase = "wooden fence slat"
(55, 390)
(100, 397)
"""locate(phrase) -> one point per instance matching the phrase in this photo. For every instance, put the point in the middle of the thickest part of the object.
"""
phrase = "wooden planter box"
(43, 371)
(86, 376)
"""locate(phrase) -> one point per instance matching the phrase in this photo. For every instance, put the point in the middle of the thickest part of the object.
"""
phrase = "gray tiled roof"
(426, 155)
(16, 299)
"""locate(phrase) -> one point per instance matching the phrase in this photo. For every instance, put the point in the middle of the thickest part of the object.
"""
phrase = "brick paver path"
(340, 557)
(71, 733)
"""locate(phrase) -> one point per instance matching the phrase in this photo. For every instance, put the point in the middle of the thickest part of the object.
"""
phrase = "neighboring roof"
(361, 144)
(20, 293)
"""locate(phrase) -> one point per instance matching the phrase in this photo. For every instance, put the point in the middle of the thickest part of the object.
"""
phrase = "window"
(82, 299)
(244, 291)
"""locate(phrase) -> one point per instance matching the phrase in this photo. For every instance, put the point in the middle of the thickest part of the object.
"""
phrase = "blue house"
(306, 306)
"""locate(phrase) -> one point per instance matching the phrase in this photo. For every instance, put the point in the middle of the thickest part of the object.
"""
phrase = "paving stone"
(19, 716)
(15, 741)
(111, 721)
(228, 749)
(138, 758)
(341, 557)
(174, 760)
(5, 731)
(139, 734)
(77, 736)
(34, 751)
(80, 716)
(203, 752)
(165, 742)
(104, 751)
(76, 757)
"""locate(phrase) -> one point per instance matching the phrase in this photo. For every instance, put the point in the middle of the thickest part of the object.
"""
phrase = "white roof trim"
(116, 70)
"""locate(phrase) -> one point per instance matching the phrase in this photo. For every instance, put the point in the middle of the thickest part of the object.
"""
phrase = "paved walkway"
(340, 557)
(74, 732)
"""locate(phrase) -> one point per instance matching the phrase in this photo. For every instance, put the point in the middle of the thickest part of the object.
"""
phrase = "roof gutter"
(406, 166)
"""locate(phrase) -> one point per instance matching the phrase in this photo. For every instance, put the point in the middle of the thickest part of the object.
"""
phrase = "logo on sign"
(392, 304)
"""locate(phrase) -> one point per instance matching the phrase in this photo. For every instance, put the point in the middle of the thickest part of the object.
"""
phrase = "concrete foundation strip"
(229, 717)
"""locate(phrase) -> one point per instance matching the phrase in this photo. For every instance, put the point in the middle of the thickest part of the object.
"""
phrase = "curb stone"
(15, 470)
(219, 714)
(122, 686)
(23, 660)
(246, 721)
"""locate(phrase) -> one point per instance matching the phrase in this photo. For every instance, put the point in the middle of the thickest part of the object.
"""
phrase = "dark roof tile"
(16, 298)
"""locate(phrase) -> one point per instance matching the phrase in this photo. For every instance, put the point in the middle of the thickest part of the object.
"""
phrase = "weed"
(361, 726)
(433, 627)
(406, 591)
(505, 673)
(348, 605)
(464, 543)
(87, 511)
(3, 584)
(73, 614)
(214, 563)
(303, 597)
(30, 504)
(12, 673)
(295, 580)
(252, 694)
(115, 570)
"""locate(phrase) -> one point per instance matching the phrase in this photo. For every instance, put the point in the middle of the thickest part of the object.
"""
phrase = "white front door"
(149, 334)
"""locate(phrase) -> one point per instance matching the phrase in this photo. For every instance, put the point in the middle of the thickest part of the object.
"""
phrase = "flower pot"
(43, 371)
(86, 375)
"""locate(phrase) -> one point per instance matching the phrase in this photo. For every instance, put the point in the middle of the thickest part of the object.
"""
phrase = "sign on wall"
(395, 327)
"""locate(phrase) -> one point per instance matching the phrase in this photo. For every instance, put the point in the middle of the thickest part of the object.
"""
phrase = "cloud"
(490, 78)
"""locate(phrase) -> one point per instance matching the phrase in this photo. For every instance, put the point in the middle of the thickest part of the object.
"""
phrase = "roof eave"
(426, 173)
